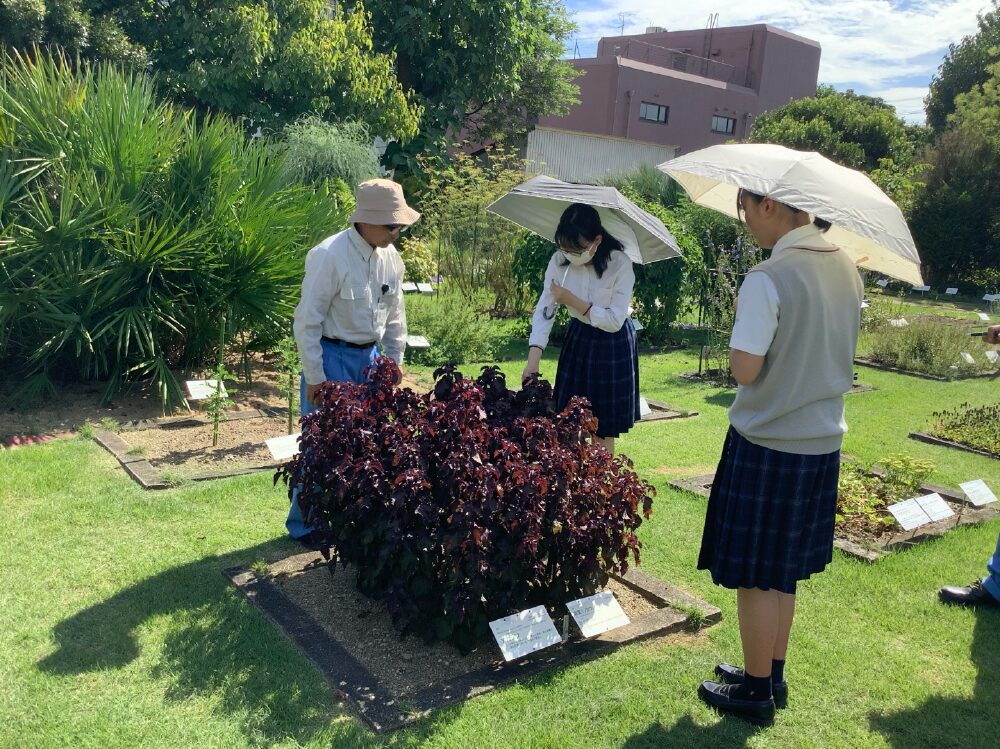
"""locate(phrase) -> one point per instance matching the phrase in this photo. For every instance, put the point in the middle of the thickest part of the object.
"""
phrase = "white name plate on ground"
(417, 341)
(900, 323)
(978, 492)
(524, 632)
(967, 358)
(597, 614)
(283, 448)
(201, 389)
(990, 297)
(637, 325)
(951, 291)
(993, 356)
(912, 513)
(408, 287)
(921, 288)
(425, 288)
(983, 316)
(882, 282)
(644, 409)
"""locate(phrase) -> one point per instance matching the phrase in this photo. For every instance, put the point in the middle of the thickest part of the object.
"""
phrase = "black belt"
(349, 344)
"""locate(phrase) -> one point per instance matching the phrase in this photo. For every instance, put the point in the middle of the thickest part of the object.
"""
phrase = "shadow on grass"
(729, 733)
(216, 644)
(953, 721)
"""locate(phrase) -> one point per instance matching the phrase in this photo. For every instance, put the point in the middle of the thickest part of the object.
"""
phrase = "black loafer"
(717, 695)
(971, 595)
(735, 675)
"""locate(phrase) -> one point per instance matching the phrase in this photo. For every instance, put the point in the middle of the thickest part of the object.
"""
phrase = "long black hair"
(820, 223)
(578, 226)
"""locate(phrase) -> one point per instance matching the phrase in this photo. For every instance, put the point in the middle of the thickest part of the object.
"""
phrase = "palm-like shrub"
(128, 229)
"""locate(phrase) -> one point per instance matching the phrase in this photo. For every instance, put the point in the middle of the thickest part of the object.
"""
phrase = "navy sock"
(777, 671)
(754, 688)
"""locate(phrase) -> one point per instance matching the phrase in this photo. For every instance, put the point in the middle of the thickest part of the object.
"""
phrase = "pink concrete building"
(671, 92)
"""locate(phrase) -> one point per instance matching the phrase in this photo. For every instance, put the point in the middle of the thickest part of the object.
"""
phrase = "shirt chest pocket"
(356, 294)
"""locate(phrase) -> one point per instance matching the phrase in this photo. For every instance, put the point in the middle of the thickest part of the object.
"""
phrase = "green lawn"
(118, 630)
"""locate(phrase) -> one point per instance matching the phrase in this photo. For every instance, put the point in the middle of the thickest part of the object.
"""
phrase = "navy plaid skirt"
(602, 367)
(770, 516)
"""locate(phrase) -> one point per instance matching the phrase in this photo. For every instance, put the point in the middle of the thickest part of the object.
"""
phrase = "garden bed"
(659, 411)
(940, 442)
(871, 547)
(390, 681)
(925, 375)
(159, 452)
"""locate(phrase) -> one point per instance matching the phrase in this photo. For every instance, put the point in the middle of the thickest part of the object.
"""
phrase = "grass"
(118, 629)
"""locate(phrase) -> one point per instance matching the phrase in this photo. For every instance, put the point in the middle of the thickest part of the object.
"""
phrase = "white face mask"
(582, 259)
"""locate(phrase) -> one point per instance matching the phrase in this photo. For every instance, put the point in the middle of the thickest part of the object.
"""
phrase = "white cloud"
(878, 47)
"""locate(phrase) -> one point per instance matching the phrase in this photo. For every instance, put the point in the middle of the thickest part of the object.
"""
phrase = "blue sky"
(887, 48)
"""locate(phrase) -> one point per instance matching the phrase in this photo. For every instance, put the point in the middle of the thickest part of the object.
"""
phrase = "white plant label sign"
(882, 282)
(967, 358)
(900, 323)
(597, 614)
(993, 356)
(978, 492)
(983, 316)
(951, 291)
(202, 389)
(524, 633)
(912, 513)
(417, 341)
(285, 447)
(644, 409)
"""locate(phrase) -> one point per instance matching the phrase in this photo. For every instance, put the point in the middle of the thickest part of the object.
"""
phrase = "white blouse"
(611, 294)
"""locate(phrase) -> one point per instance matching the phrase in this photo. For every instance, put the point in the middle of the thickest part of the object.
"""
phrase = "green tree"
(487, 68)
(80, 27)
(854, 130)
(964, 67)
(270, 62)
(957, 218)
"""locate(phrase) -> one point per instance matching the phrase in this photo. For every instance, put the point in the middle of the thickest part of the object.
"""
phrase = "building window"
(653, 112)
(724, 125)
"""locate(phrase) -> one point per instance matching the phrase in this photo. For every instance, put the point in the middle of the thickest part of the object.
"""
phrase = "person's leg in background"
(340, 364)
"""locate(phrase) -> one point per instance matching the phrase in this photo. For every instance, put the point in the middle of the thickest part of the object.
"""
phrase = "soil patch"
(391, 681)
(75, 404)
(187, 450)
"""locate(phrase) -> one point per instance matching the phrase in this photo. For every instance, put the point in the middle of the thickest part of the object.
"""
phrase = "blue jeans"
(992, 581)
(340, 363)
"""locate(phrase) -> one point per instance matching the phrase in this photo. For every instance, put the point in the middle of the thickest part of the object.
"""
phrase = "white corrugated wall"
(579, 157)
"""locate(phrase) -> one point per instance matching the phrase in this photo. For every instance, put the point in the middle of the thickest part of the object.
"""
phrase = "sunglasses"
(394, 227)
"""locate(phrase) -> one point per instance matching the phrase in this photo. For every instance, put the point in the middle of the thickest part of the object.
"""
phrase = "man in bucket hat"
(352, 302)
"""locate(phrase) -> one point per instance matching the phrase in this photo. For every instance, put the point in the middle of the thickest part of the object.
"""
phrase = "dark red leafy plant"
(468, 503)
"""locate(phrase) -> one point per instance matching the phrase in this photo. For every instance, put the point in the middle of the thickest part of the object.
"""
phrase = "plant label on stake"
(900, 323)
(409, 287)
(967, 358)
(951, 291)
(597, 614)
(983, 316)
(912, 513)
(993, 356)
(285, 447)
(978, 492)
(882, 282)
(202, 389)
(417, 342)
(425, 288)
(524, 632)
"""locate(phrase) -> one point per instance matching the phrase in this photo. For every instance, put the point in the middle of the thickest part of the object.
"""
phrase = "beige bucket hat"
(381, 201)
